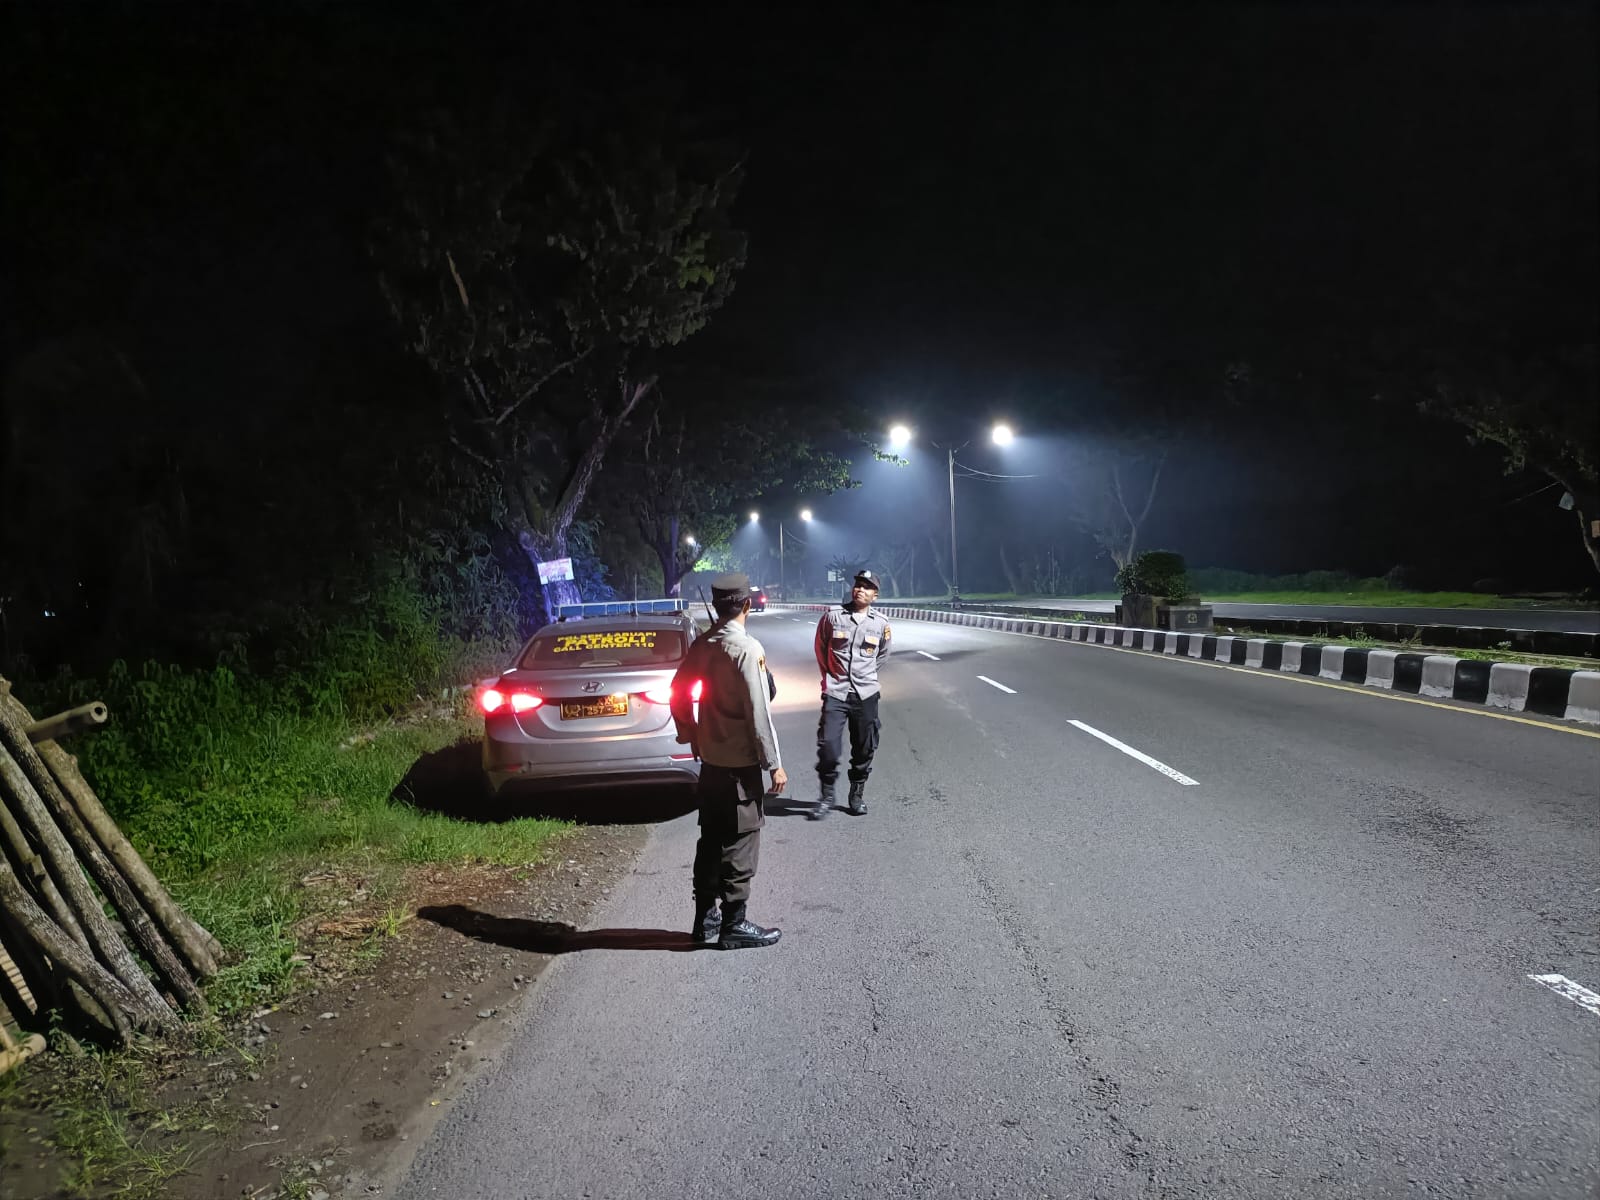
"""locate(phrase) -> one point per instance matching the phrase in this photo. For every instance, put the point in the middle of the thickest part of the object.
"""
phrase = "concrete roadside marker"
(1132, 753)
(1578, 994)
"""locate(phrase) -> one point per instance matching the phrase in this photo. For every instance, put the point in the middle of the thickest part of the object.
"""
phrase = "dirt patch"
(333, 1091)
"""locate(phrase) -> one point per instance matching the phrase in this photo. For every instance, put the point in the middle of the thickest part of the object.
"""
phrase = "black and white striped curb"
(1515, 687)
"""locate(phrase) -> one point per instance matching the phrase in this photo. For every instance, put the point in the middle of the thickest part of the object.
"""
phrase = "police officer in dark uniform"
(733, 737)
(851, 642)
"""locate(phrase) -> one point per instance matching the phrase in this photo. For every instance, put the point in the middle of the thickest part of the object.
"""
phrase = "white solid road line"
(925, 654)
(1001, 686)
(1562, 986)
(1132, 753)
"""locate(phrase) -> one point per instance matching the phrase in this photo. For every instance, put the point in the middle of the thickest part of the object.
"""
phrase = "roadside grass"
(102, 1113)
(263, 889)
(296, 822)
(276, 823)
(1382, 598)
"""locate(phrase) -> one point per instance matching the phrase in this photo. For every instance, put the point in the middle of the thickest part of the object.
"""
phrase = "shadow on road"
(450, 782)
(789, 806)
(551, 937)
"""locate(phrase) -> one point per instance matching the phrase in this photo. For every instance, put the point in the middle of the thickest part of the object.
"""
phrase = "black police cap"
(728, 587)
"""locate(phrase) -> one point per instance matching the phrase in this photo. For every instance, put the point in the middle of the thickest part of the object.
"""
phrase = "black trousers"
(861, 716)
(731, 818)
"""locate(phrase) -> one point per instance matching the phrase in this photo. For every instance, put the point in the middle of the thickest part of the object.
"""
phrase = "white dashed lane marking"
(1578, 994)
(1132, 753)
(1001, 686)
(925, 654)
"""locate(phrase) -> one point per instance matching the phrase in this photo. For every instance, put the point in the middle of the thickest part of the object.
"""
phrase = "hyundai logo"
(592, 686)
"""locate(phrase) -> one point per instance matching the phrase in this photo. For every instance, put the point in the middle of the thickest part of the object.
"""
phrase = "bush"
(197, 762)
(1155, 573)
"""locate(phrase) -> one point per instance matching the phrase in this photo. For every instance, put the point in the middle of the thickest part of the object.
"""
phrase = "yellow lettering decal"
(628, 639)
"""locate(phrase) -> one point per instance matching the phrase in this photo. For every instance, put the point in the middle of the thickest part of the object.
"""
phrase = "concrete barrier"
(1514, 687)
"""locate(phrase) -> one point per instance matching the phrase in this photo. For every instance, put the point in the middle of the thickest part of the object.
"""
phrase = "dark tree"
(536, 260)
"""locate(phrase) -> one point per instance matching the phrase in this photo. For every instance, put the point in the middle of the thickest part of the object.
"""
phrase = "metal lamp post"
(805, 515)
(1000, 435)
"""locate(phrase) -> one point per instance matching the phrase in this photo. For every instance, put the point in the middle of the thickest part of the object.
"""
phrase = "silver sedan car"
(588, 703)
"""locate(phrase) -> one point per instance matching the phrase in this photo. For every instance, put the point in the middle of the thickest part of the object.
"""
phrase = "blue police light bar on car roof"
(618, 608)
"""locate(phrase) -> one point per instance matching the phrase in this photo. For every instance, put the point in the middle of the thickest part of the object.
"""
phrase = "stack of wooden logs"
(63, 865)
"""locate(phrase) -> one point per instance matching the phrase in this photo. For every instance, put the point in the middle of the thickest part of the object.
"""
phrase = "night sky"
(952, 217)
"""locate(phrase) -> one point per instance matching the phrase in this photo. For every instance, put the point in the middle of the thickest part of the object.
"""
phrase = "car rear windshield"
(605, 648)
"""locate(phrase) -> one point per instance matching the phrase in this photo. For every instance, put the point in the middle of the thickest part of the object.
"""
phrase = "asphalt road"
(1042, 967)
(1551, 619)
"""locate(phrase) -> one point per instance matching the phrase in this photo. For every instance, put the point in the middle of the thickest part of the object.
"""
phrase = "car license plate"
(606, 706)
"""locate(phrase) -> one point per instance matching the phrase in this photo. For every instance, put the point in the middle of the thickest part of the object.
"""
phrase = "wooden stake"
(201, 951)
(85, 716)
(150, 1010)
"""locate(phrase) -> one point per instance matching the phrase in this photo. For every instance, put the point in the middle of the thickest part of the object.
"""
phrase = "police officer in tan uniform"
(734, 739)
(850, 643)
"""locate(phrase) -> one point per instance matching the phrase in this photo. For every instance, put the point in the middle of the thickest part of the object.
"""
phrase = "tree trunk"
(542, 548)
(940, 564)
(543, 542)
(20, 768)
(31, 867)
(155, 948)
(104, 872)
(1586, 507)
(672, 568)
(126, 1011)
(201, 951)
(1010, 572)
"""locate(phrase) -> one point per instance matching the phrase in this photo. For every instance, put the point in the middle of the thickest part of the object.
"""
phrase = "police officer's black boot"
(824, 803)
(740, 933)
(858, 803)
(707, 923)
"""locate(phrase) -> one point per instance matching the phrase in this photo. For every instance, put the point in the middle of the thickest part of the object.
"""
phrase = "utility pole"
(955, 578)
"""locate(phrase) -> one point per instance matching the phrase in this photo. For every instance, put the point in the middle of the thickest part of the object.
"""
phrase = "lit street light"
(1001, 435)
(805, 515)
(688, 540)
(754, 515)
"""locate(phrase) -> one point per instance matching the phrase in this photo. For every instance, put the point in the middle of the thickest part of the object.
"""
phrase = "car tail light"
(663, 695)
(492, 700)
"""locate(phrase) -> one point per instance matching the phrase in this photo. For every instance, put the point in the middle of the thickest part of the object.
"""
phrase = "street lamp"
(805, 515)
(1001, 435)
(688, 540)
